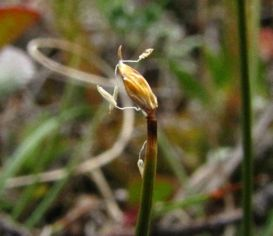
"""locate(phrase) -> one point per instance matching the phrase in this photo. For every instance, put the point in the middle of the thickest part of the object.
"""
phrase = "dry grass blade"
(89, 79)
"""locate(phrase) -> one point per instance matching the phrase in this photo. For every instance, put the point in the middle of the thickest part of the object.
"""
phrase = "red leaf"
(14, 21)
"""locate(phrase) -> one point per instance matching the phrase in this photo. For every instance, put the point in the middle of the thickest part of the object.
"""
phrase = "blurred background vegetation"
(48, 122)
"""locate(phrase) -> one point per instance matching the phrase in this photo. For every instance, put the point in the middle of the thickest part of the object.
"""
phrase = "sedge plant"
(141, 94)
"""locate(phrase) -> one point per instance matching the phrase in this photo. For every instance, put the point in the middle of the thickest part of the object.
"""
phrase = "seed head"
(137, 88)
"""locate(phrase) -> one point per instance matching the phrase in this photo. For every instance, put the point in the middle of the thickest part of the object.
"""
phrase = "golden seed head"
(137, 88)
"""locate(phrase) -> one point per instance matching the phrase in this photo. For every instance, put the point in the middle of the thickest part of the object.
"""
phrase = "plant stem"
(144, 216)
(247, 168)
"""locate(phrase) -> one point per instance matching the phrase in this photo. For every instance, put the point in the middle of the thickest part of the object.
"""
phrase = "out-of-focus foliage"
(127, 17)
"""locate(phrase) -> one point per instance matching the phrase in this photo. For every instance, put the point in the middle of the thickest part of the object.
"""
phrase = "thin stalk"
(247, 167)
(145, 211)
(253, 13)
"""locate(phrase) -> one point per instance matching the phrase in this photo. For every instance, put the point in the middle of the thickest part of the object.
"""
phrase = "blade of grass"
(39, 211)
(80, 150)
(46, 153)
(171, 158)
(253, 10)
(189, 84)
(51, 195)
(217, 65)
(247, 168)
(27, 147)
(268, 228)
(23, 201)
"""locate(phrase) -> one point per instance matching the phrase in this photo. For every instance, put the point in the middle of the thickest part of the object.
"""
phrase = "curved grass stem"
(144, 216)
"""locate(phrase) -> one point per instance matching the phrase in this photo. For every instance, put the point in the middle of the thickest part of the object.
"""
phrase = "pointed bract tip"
(120, 57)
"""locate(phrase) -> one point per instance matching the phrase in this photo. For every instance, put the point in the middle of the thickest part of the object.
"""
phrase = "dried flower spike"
(135, 84)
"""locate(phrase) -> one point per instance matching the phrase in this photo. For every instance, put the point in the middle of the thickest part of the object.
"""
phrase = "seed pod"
(137, 88)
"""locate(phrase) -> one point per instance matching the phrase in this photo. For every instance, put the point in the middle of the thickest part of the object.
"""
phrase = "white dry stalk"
(88, 79)
(115, 96)
(203, 179)
(79, 76)
(105, 190)
(107, 96)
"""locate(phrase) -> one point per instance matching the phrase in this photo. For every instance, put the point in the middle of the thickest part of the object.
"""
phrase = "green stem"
(144, 216)
(247, 169)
